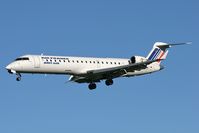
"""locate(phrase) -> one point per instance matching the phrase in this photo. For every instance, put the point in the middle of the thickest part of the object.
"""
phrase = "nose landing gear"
(18, 77)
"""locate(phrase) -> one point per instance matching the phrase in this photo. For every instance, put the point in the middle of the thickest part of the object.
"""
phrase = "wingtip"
(189, 43)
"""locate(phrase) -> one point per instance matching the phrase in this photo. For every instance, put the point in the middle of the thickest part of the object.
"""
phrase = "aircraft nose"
(8, 67)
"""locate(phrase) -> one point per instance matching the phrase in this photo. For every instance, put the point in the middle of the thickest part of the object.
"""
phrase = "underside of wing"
(110, 73)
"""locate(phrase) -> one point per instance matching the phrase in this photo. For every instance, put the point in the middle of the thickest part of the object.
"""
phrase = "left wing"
(113, 72)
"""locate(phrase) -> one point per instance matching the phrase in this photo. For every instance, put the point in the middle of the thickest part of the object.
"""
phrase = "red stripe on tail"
(162, 54)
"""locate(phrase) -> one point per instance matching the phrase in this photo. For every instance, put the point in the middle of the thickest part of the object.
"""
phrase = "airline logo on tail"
(158, 54)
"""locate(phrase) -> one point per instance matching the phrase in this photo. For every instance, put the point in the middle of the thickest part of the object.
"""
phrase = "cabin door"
(36, 61)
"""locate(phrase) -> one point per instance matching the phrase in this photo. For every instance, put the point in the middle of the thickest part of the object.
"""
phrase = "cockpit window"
(23, 58)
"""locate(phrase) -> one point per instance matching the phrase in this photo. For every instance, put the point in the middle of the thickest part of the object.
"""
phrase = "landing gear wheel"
(18, 78)
(109, 82)
(92, 86)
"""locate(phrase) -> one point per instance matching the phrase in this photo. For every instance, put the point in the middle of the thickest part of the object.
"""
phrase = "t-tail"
(160, 51)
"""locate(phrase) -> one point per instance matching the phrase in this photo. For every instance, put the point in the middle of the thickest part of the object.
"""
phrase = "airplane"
(89, 69)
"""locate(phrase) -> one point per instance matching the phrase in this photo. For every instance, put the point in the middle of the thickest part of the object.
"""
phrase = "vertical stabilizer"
(160, 50)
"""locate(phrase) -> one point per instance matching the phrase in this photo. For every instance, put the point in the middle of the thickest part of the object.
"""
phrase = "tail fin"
(160, 50)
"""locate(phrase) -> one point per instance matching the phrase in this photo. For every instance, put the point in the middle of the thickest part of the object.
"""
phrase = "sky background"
(165, 102)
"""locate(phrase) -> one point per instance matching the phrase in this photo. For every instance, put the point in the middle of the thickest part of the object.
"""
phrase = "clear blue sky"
(165, 102)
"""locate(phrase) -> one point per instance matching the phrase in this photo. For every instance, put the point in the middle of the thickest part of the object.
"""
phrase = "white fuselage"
(91, 70)
(71, 65)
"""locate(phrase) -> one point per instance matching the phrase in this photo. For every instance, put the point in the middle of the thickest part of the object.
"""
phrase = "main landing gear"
(18, 77)
(109, 82)
(93, 86)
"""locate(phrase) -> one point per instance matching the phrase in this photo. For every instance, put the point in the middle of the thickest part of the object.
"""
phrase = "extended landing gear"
(109, 82)
(18, 77)
(92, 86)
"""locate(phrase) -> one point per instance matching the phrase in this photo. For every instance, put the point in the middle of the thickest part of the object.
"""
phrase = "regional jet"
(92, 70)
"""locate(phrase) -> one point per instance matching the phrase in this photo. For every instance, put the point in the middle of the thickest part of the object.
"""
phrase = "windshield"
(23, 58)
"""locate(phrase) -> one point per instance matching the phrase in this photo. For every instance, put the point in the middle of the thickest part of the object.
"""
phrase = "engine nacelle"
(137, 59)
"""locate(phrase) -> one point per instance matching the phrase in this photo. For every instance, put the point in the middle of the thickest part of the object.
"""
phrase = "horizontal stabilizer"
(168, 45)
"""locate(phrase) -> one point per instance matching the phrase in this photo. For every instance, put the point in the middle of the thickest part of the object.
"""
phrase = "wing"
(113, 72)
